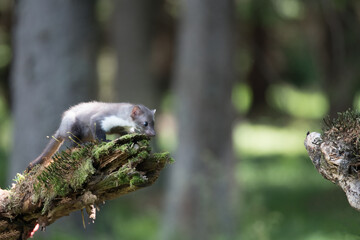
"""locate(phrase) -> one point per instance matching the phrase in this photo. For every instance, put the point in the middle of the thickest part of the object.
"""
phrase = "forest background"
(236, 84)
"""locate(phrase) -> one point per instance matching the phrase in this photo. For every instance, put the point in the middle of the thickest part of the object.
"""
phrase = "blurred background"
(236, 84)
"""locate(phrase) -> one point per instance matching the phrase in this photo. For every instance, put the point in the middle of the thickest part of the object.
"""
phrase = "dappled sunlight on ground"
(262, 139)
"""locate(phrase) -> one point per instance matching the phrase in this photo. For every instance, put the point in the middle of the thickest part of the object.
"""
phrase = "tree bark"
(132, 35)
(54, 67)
(200, 193)
(260, 75)
(82, 179)
(335, 154)
(340, 54)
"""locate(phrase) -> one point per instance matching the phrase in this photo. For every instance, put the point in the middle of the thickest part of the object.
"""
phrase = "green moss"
(79, 153)
(18, 178)
(102, 149)
(139, 157)
(66, 173)
(123, 175)
(164, 156)
(13, 203)
(118, 178)
(129, 137)
(61, 187)
(137, 180)
(126, 175)
(81, 174)
(35, 197)
(125, 143)
(69, 172)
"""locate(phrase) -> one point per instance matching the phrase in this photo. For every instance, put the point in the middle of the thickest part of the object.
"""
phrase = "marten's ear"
(153, 111)
(136, 111)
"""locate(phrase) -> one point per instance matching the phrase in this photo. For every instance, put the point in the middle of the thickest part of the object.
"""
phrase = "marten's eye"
(146, 124)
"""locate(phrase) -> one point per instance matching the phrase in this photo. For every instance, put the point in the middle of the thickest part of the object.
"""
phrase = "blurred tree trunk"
(54, 67)
(260, 75)
(340, 54)
(200, 192)
(132, 31)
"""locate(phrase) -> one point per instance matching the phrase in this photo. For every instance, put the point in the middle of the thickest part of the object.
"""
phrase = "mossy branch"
(82, 178)
(336, 153)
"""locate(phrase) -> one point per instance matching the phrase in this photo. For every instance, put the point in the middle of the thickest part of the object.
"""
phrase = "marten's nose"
(151, 133)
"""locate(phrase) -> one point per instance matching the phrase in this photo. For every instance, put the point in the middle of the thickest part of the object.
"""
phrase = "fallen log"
(77, 179)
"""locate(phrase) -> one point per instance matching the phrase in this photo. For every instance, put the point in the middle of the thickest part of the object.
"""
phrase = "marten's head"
(144, 120)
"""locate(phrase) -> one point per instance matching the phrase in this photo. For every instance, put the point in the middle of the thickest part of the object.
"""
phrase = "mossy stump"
(335, 153)
(77, 179)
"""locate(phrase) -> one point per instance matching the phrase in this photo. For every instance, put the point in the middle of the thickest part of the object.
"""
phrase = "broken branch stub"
(336, 153)
(78, 179)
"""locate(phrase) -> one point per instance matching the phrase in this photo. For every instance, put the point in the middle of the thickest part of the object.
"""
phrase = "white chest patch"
(114, 121)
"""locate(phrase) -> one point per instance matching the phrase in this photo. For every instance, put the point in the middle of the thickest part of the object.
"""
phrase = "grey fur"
(91, 121)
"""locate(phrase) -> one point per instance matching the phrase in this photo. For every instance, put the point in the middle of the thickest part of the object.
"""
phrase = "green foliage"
(138, 218)
(5, 129)
(284, 198)
(301, 66)
(298, 103)
(241, 97)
